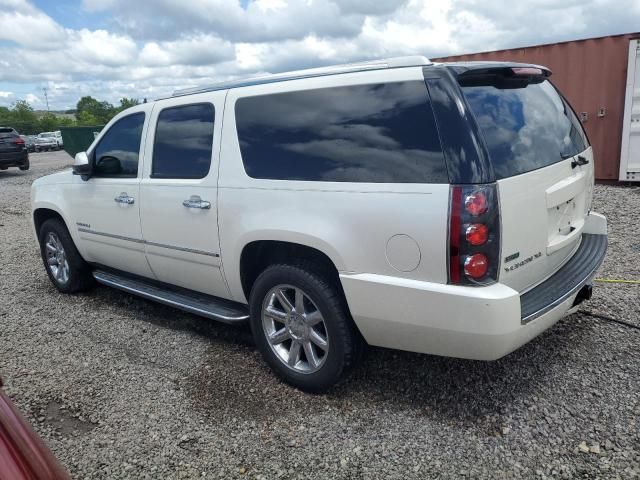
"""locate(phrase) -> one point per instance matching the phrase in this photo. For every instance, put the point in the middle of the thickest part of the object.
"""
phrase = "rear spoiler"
(500, 75)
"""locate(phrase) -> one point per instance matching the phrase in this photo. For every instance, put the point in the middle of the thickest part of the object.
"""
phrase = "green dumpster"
(78, 139)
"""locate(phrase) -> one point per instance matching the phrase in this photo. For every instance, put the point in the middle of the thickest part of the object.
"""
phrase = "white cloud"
(149, 48)
(6, 94)
(27, 26)
(196, 50)
(101, 47)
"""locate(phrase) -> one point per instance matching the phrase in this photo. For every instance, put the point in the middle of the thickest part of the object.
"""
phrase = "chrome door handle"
(124, 198)
(196, 202)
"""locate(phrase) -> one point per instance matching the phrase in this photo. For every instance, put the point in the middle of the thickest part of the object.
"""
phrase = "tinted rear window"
(525, 128)
(360, 133)
(7, 132)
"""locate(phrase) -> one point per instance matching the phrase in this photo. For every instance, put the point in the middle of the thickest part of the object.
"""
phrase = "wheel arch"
(256, 255)
(42, 214)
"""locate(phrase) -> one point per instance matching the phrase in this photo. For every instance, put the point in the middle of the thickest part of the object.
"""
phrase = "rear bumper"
(13, 159)
(482, 323)
(567, 281)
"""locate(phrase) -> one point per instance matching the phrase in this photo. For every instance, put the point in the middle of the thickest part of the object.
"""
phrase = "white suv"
(436, 208)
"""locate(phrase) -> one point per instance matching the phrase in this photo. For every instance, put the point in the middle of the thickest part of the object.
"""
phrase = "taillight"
(476, 203)
(474, 234)
(476, 265)
(477, 234)
(18, 141)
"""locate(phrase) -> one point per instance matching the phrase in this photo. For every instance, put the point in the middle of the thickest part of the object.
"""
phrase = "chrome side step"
(193, 302)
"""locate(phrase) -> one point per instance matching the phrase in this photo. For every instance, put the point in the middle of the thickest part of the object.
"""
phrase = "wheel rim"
(57, 259)
(295, 329)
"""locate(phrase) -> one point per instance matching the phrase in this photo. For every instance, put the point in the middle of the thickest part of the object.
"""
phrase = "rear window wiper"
(579, 162)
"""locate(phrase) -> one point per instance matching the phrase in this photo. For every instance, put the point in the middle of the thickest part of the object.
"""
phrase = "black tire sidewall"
(79, 272)
(336, 319)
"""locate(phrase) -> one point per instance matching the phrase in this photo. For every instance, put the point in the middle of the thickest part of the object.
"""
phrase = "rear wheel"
(25, 166)
(67, 270)
(302, 327)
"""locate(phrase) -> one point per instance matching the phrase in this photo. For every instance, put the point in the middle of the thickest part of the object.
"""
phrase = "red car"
(23, 455)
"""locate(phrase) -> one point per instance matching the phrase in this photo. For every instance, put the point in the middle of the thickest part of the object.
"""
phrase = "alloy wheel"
(57, 259)
(295, 329)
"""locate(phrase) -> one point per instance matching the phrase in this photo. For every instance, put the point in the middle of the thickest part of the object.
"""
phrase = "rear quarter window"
(381, 133)
(525, 128)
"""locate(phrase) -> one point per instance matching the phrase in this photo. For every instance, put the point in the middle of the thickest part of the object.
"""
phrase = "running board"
(193, 302)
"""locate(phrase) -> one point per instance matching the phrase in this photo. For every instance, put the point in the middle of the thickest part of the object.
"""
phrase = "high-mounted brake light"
(474, 234)
(527, 71)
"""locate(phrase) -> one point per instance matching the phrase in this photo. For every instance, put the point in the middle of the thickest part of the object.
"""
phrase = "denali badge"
(80, 224)
(513, 256)
(522, 263)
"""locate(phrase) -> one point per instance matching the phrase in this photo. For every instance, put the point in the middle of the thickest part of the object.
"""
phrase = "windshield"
(525, 128)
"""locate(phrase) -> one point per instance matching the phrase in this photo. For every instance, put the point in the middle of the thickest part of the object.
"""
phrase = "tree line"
(89, 112)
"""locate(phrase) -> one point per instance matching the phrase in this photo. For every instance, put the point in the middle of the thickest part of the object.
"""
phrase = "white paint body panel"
(350, 222)
(166, 222)
(630, 150)
(543, 214)
(90, 205)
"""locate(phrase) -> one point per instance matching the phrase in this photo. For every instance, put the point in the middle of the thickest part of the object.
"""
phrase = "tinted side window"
(117, 153)
(361, 133)
(183, 142)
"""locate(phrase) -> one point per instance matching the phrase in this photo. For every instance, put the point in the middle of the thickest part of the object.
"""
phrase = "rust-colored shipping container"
(592, 74)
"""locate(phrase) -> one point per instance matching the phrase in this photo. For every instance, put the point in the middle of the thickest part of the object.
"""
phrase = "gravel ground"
(123, 388)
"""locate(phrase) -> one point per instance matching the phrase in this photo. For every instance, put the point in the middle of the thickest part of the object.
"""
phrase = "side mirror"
(108, 165)
(81, 165)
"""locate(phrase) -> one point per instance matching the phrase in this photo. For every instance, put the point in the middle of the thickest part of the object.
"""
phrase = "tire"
(343, 342)
(68, 272)
(25, 166)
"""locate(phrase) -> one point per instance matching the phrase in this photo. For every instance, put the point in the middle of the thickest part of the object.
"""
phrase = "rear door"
(543, 165)
(179, 193)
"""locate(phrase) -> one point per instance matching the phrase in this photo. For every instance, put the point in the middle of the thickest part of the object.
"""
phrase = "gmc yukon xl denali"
(435, 208)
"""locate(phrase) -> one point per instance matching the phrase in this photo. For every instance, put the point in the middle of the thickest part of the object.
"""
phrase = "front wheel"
(302, 327)
(67, 270)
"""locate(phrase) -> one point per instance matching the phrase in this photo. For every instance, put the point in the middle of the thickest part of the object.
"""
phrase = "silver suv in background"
(47, 141)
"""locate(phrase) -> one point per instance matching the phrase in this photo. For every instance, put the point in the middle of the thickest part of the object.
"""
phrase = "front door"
(106, 208)
(178, 193)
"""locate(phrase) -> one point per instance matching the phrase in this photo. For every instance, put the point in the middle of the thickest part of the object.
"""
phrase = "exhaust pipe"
(584, 294)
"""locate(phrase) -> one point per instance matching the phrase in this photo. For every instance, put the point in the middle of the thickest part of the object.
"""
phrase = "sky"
(147, 48)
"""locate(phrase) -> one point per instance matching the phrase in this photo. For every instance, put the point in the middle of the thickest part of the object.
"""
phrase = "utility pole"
(46, 99)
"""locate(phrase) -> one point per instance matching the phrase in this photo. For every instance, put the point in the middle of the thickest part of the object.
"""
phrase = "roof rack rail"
(395, 62)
